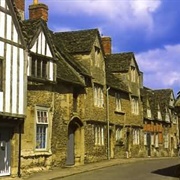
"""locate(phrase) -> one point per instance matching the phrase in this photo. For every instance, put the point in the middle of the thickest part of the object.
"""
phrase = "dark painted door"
(149, 144)
(4, 152)
(70, 149)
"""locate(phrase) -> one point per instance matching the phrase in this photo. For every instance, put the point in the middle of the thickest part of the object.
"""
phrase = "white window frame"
(98, 96)
(136, 136)
(119, 134)
(145, 139)
(99, 135)
(159, 113)
(135, 105)
(156, 140)
(133, 74)
(167, 116)
(42, 125)
(97, 56)
(118, 102)
(166, 141)
(152, 139)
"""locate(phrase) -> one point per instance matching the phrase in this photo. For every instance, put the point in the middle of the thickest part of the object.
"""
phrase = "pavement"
(61, 172)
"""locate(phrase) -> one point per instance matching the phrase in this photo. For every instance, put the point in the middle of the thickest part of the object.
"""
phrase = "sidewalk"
(60, 172)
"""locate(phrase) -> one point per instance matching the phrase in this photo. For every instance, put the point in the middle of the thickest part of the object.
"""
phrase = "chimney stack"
(106, 43)
(20, 7)
(38, 11)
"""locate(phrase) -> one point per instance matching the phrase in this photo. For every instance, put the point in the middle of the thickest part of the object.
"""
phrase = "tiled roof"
(78, 41)
(64, 71)
(159, 97)
(120, 62)
(115, 82)
(60, 46)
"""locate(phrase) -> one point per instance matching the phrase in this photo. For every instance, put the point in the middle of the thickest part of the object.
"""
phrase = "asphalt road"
(162, 169)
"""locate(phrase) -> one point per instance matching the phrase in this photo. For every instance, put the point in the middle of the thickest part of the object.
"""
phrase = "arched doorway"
(75, 144)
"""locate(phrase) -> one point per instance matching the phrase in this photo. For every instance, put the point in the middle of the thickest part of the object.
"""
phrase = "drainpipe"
(19, 155)
(107, 112)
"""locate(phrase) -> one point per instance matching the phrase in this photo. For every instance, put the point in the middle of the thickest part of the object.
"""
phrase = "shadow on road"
(172, 171)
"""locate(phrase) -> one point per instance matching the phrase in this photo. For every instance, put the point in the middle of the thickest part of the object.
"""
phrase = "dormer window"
(149, 115)
(167, 117)
(159, 114)
(133, 74)
(40, 67)
(97, 56)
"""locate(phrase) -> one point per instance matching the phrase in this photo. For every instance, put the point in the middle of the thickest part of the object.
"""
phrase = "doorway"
(75, 144)
(5, 152)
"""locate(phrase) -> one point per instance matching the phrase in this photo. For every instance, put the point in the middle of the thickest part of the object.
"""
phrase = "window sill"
(36, 153)
(37, 79)
(119, 112)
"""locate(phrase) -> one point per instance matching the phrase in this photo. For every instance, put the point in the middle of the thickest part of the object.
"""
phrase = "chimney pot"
(38, 11)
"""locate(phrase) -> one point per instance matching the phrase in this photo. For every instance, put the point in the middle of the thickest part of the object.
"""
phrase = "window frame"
(133, 74)
(136, 136)
(42, 126)
(98, 96)
(98, 135)
(118, 104)
(39, 67)
(97, 51)
(135, 105)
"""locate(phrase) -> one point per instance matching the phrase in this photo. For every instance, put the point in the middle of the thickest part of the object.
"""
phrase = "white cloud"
(123, 13)
(161, 66)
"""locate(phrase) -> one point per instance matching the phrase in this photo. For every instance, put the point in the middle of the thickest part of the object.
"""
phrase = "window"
(135, 105)
(159, 113)
(152, 139)
(41, 128)
(133, 74)
(136, 136)
(98, 96)
(99, 135)
(156, 140)
(166, 141)
(1, 74)
(118, 102)
(149, 115)
(145, 139)
(119, 134)
(39, 68)
(97, 56)
(167, 117)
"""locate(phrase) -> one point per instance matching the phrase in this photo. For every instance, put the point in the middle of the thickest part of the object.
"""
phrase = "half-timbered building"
(12, 88)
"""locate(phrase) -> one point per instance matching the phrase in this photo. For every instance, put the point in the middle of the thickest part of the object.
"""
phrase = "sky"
(149, 28)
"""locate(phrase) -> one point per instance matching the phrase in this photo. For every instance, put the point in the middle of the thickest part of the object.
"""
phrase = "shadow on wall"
(172, 171)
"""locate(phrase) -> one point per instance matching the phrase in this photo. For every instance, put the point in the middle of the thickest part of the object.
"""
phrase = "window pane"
(39, 73)
(41, 137)
(44, 69)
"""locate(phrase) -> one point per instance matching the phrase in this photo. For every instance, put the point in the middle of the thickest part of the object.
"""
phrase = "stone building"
(87, 52)
(84, 103)
(13, 62)
(124, 67)
(160, 122)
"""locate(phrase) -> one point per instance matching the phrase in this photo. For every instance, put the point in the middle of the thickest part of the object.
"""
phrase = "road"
(162, 169)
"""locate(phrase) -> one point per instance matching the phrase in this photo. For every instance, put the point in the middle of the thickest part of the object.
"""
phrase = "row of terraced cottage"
(67, 100)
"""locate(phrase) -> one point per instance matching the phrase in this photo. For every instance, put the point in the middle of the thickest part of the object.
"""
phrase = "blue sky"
(149, 28)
